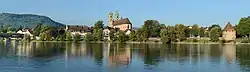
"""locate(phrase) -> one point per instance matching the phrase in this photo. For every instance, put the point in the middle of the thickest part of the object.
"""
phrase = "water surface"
(102, 57)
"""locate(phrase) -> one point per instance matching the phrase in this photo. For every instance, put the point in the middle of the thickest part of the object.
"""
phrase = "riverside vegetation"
(150, 29)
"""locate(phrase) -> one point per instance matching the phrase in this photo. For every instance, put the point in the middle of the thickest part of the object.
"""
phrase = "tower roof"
(228, 27)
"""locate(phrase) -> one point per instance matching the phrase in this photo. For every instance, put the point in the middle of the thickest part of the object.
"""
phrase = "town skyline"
(168, 12)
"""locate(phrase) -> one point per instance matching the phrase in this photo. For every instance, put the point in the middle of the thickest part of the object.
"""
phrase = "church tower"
(110, 19)
(116, 16)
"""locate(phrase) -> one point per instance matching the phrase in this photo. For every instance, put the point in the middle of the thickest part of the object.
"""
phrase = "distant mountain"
(26, 20)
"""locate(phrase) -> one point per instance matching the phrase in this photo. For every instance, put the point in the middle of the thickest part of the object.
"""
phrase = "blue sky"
(170, 12)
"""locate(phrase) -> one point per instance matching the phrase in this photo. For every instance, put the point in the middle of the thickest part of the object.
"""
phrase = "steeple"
(110, 19)
(116, 15)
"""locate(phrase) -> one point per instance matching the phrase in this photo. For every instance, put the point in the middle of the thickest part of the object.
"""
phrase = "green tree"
(243, 27)
(112, 35)
(202, 32)
(89, 37)
(153, 28)
(218, 26)
(165, 36)
(195, 30)
(27, 37)
(68, 36)
(132, 36)
(42, 36)
(214, 34)
(77, 37)
(180, 32)
(98, 25)
(121, 37)
(37, 30)
(141, 35)
(98, 34)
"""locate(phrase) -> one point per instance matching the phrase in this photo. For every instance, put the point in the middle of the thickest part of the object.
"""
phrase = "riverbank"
(135, 42)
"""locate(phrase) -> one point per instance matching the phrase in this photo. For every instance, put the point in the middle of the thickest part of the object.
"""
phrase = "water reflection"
(65, 56)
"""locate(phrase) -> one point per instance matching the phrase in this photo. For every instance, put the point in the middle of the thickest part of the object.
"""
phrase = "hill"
(26, 20)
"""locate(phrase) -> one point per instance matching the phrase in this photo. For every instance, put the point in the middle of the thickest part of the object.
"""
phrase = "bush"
(245, 41)
(195, 40)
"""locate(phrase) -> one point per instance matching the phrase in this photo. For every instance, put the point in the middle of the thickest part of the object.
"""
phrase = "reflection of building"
(120, 56)
(229, 52)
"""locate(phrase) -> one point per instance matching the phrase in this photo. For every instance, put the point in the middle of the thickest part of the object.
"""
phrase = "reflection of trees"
(47, 49)
(95, 50)
(243, 53)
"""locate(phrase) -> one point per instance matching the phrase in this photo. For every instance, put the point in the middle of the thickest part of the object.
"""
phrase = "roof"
(228, 27)
(78, 28)
(122, 21)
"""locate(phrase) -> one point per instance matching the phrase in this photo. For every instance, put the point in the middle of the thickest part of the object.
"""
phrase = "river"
(104, 57)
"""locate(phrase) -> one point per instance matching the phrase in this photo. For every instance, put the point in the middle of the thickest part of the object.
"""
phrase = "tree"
(42, 36)
(202, 32)
(88, 37)
(165, 36)
(180, 32)
(68, 36)
(98, 25)
(243, 27)
(98, 34)
(218, 26)
(141, 35)
(37, 30)
(27, 37)
(195, 30)
(153, 28)
(112, 35)
(77, 37)
(132, 36)
(214, 34)
(121, 37)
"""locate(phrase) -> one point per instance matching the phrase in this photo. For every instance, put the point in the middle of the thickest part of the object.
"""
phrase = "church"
(117, 22)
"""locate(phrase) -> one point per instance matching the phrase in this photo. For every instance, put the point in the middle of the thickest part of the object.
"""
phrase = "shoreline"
(135, 42)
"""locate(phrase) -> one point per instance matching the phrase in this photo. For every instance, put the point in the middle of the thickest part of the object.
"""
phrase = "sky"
(169, 12)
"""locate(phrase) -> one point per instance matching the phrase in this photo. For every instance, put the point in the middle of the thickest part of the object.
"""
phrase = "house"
(77, 29)
(116, 22)
(229, 33)
(106, 32)
(25, 31)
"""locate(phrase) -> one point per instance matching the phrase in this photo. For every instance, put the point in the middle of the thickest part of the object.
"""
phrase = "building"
(76, 29)
(25, 31)
(116, 22)
(229, 33)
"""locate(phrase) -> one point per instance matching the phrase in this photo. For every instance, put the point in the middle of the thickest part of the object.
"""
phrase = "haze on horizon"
(169, 12)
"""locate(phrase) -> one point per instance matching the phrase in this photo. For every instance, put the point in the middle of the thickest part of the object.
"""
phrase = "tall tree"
(68, 36)
(98, 25)
(180, 32)
(89, 37)
(202, 32)
(243, 27)
(165, 36)
(141, 35)
(132, 36)
(195, 30)
(121, 37)
(218, 26)
(98, 34)
(112, 35)
(214, 34)
(153, 27)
